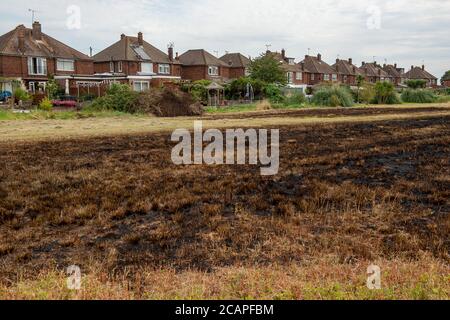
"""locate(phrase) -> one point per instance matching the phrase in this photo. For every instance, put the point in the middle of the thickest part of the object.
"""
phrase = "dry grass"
(347, 194)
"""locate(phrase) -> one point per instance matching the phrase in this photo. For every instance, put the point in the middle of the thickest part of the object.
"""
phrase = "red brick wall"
(236, 73)
(194, 73)
(13, 66)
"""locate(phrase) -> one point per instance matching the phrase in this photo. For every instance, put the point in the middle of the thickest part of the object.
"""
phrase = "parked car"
(5, 95)
(65, 102)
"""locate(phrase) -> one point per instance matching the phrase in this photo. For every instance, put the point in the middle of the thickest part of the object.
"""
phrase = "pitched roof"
(373, 70)
(296, 67)
(236, 60)
(316, 65)
(128, 49)
(200, 57)
(46, 47)
(419, 73)
(392, 71)
(345, 67)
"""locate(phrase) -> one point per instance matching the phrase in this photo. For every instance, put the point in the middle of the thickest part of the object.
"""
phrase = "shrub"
(120, 97)
(273, 93)
(419, 96)
(237, 89)
(333, 96)
(21, 95)
(294, 99)
(416, 84)
(45, 105)
(385, 94)
(198, 90)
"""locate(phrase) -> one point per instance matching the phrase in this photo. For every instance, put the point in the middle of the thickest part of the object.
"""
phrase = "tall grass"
(418, 96)
(333, 96)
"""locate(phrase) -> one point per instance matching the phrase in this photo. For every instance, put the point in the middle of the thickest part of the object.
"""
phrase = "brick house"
(238, 63)
(318, 70)
(419, 73)
(396, 74)
(138, 61)
(374, 73)
(202, 65)
(297, 75)
(347, 71)
(30, 57)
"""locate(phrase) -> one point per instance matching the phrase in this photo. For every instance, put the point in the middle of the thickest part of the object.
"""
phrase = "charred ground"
(353, 191)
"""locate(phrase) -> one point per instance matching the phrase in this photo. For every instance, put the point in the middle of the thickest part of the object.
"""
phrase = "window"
(141, 86)
(299, 76)
(111, 67)
(291, 61)
(334, 77)
(164, 69)
(31, 87)
(213, 71)
(147, 67)
(120, 66)
(313, 77)
(247, 72)
(290, 77)
(326, 77)
(37, 66)
(65, 65)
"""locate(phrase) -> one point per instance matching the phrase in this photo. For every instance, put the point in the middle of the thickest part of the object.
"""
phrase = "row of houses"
(30, 57)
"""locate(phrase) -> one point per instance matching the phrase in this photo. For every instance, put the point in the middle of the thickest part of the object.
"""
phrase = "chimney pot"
(363, 63)
(122, 36)
(412, 67)
(177, 56)
(423, 67)
(283, 54)
(140, 38)
(37, 31)
(319, 57)
(350, 60)
(395, 66)
(337, 60)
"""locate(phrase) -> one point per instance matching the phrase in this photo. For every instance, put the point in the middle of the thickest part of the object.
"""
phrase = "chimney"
(177, 57)
(384, 65)
(140, 39)
(283, 54)
(423, 67)
(22, 39)
(170, 51)
(395, 66)
(319, 57)
(306, 56)
(350, 60)
(363, 63)
(412, 67)
(337, 60)
(37, 31)
(122, 36)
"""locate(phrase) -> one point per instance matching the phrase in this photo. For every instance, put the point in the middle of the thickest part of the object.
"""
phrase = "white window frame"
(334, 77)
(40, 67)
(299, 76)
(149, 66)
(120, 66)
(111, 67)
(213, 70)
(313, 77)
(32, 87)
(326, 77)
(164, 68)
(141, 86)
(65, 65)
(290, 77)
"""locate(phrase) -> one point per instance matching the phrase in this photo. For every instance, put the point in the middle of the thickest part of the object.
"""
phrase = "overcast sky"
(408, 32)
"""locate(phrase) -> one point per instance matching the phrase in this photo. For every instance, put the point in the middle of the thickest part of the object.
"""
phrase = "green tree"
(267, 69)
(385, 93)
(445, 77)
(52, 89)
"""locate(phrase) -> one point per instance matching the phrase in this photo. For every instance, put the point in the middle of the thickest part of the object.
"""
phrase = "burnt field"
(353, 191)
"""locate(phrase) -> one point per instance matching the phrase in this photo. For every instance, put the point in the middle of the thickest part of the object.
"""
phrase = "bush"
(416, 84)
(45, 105)
(198, 90)
(333, 96)
(295, 99)
(418, 96)
(385, 94)
(120, 97)
(21, 95)
(237, 89)
(273, 93)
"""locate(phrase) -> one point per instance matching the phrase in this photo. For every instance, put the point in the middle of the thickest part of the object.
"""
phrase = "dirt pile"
(168, 102)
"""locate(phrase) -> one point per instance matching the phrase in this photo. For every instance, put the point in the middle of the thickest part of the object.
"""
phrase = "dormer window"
(213, 71)
(291, 61)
